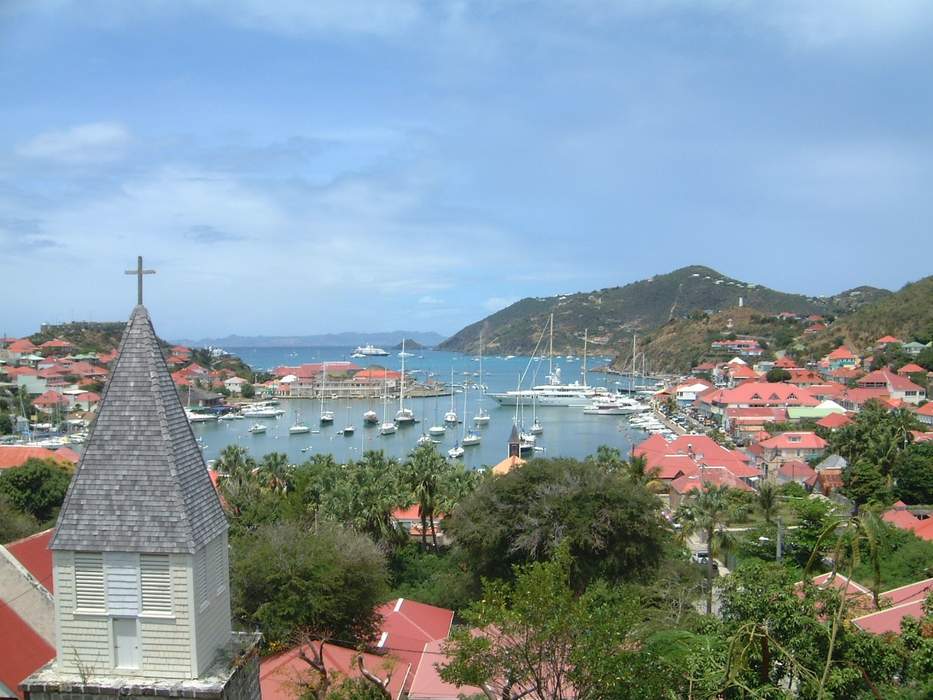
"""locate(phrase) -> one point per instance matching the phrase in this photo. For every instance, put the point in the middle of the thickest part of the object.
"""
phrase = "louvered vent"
(89, 581)
(219, 564)
(155, 583)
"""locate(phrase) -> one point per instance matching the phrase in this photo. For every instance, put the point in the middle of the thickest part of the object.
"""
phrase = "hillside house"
(789, 447)
(896, 386)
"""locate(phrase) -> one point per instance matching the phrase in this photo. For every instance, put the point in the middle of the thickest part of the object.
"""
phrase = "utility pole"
(780, 532)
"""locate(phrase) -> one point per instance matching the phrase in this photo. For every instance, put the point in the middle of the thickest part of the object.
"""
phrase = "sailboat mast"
(401, 391)
(463, 432)
(586, 332)
(550, 352)
(323, 379)
(632, 383)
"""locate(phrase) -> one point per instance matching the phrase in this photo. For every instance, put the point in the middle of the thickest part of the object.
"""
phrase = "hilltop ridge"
(612, 314)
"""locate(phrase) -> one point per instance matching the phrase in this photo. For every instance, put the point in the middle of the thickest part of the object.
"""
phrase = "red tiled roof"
(911, 368)
(909, 593)
(88, 396)
(884, 340)
(22, 650)
(15, 455)
(785, 363)
(834, 421)
(34, 554)
(795, 469)
(925, 530)
(56, 343)
(281, 677)
(21, 372)
(22, 347)
(50, 398)
(886, 376)
(767, 393)
(841, 353)
(905, 520)
(789, 441)
(377, 374)
(716, 476)
(889, 620)
(846, 373)
(427, 683)
(926, 409)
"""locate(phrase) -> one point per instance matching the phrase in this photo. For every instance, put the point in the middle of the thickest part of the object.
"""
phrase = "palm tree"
(233, 460)
(423, 471)
(768, 500)
(637, 471)
(708, 515)
(859, 532)
(274, 472)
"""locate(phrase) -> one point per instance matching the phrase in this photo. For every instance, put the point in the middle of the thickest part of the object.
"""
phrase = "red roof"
(841, 353)
(892, 380)
(88, 396)
(790, 441)
(889, 620)
(15, 455)
(716, 476)
(408, 625)
(926, 409)
(311, 369)
(762, 393)
(884, 340)
(804, 376)
(834, 421)
(34, 554)
(281, 677)
(797, 470)
(377, 374)
(427, 683)
(911, 368)
(56, 343)
(903, 519)
(742, 372)
(21, 372)
(22, 650)
(50, 399)
(908, 593)
(22, 347)
(925, 530)
(785, 362)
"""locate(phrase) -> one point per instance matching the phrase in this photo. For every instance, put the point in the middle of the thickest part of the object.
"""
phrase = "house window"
(89, 581)
(155, 583)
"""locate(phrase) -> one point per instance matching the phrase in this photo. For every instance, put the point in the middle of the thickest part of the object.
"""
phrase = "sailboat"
(326, 416)
(472, 438)
(437, 428)
(482, 417)
(349, 428)
(451, 415)
(425, 439)
(298, 428)
(257, 428)
(404, 416)
(536, 427)
(388, 427)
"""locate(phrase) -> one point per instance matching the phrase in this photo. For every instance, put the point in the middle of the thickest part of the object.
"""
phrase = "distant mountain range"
(348, 339)
(611, 315)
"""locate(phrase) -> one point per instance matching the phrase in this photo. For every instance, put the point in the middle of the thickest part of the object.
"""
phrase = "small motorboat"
(455, 452)
(257, 428)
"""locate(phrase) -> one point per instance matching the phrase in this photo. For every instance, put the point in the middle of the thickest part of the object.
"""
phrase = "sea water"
(567, 431)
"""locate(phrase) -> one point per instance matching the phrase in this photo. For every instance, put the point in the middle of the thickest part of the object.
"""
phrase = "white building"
(142, 594)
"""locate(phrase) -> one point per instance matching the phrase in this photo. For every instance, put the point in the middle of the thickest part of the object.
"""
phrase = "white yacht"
(199, 417)
(615, 406)
(298, 428)
(404, 416)
(259, 411)
(257, 428)
(554, 393)
(369, 350)
(455, 452)
(371, 417)
(482, 416)
(425, 439)
(327, 416)
(451, 415)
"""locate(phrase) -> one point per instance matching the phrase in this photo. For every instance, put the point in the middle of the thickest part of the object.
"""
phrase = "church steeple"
(142, 485)
(140, 552)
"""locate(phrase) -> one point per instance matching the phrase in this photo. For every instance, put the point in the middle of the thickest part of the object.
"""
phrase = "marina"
(546, 430)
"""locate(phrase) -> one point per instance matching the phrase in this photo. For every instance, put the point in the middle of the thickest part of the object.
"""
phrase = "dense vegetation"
(612, 314)
(907, 314)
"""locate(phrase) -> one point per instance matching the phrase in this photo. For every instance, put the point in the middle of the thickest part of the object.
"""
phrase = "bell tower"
(142, 591)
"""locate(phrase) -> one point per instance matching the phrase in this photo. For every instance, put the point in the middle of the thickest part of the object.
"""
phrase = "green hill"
(906, 314)
(612, 314)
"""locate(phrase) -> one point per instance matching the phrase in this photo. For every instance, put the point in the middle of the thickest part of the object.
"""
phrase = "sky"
(297, 167)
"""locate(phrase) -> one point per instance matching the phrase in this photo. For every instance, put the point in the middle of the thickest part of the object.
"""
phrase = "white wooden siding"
(212, 605)
(122, 571)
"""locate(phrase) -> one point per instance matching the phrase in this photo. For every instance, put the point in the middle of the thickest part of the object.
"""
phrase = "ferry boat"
(369, 350)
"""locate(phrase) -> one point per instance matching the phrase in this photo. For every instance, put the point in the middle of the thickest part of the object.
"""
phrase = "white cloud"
(98, 142)
(428, 300)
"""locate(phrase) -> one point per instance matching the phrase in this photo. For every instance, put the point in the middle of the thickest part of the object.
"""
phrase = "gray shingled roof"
(142, 484)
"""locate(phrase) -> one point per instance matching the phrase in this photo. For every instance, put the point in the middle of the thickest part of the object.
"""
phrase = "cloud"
(99, 142)
(201, 233)
(374, 17)
(22, 236)
(430, 301)
(498, 303)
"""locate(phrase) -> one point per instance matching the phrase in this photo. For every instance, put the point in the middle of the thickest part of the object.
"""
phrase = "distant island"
(347, 339)
(410, 344)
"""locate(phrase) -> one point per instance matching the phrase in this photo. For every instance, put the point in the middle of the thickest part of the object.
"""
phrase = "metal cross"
(139, 272)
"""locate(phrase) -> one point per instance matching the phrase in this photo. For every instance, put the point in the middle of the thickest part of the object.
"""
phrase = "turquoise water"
(567, 431)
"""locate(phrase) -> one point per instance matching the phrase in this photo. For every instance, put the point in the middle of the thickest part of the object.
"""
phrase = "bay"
(567, 431)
